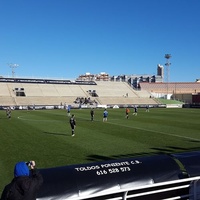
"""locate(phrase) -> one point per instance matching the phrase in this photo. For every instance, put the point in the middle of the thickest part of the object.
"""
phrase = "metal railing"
(186, 188)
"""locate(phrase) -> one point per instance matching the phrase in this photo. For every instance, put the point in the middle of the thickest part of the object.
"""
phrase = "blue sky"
(67, 38)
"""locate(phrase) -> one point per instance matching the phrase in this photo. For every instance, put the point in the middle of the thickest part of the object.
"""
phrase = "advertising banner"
(106, 177)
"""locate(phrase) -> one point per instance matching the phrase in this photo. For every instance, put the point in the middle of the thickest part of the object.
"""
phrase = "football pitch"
(45, 136)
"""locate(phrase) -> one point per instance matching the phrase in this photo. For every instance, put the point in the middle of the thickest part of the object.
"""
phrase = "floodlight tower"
(13, 66)
(167, 64)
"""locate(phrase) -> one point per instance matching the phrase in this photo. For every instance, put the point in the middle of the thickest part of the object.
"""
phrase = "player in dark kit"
(135, 111)
(72, 122)
(92, 114)
(8, 113)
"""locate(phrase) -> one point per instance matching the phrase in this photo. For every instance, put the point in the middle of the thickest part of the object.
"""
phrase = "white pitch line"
(37, 120)
(174, 135)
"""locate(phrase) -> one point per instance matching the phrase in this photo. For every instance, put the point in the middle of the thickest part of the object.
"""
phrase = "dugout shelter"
(124, 179)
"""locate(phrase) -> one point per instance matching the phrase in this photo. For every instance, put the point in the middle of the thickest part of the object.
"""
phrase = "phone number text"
(113, 170)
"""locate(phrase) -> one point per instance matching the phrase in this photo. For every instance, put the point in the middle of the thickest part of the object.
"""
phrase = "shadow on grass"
(5, 118)
(96, 158)
(61, 134)
(158, 151)
(194, 141)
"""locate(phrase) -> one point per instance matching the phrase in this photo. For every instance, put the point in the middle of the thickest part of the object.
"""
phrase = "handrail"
(166, 187)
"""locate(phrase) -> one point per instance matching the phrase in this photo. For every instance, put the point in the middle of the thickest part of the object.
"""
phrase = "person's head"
(21, 169)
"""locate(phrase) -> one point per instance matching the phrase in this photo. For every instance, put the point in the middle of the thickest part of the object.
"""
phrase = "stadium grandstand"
(21, 92)
(96, 90)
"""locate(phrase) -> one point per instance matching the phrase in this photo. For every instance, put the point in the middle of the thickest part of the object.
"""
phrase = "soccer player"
(92, 114)
(127, 112)
(105, 115)
(72, 122)
(68, 110)
(135, 111)
(8, 112)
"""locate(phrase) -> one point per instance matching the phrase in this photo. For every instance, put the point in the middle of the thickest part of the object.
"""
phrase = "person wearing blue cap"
(25, 183)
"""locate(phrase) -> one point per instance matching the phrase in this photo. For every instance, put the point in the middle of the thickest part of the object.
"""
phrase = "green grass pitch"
(45, 136)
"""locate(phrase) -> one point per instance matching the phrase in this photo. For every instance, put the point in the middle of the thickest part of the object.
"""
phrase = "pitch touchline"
(36, 120)
(157, 132)
(174, 135)
(152, 131)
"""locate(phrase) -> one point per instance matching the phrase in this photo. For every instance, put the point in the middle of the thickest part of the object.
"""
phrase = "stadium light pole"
(13, 66)
(167, 64)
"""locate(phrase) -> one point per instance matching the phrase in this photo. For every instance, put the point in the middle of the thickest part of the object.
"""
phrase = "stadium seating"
(105, 92)
(55, 94)
(4, 91)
